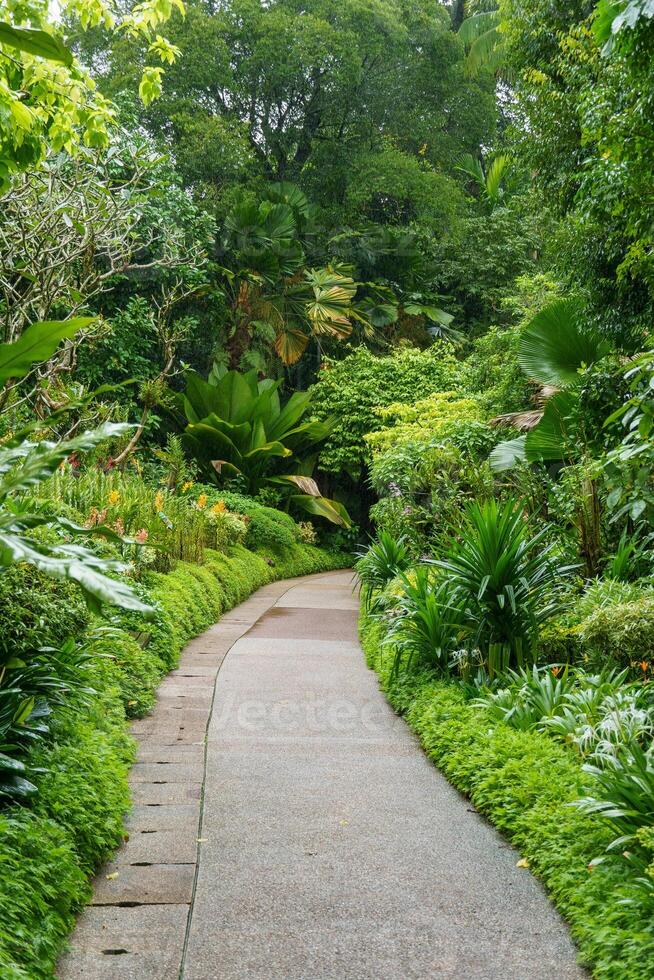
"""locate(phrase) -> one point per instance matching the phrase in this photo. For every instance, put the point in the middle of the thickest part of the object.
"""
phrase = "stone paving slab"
(174, 816)
(137, 943)
(171, 772)
(156, 884)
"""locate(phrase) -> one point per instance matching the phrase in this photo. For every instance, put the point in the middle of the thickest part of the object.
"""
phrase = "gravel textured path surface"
(308, 838)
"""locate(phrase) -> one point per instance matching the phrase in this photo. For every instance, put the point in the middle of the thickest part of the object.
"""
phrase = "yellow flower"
(113, 498)
(219, 507)
(159, 500)
(202, 501)
(187, 486)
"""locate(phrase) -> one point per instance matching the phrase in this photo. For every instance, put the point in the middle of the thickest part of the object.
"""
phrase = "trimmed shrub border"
(49, 850)
(523, 782)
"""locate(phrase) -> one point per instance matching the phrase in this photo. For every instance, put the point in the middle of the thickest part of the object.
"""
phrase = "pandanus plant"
(238, 428)
(503, 575)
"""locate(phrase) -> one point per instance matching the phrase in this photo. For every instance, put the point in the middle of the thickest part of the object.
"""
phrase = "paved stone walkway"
(308, 837)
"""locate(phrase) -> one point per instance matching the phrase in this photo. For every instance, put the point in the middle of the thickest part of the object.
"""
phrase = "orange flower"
(159, 500)
(113, 498)
(219, 507)
(644, 666)
(556, 671)
(202, 501)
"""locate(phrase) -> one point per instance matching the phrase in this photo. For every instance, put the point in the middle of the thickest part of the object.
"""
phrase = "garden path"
(308, 838)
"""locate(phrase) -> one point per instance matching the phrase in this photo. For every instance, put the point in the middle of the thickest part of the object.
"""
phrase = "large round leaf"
(558, 342)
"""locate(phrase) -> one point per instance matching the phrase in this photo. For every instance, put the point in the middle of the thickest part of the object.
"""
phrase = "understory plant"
(504, 574)
(384, 560)
(428, 622)
(238, 429)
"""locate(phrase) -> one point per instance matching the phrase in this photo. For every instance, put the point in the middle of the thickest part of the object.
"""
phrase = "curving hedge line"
(524, 782)
(49, 849)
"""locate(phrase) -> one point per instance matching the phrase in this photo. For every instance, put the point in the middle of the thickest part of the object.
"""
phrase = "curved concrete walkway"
(308, 837)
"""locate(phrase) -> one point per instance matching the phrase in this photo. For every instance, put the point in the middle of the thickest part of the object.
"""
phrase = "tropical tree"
(269, 285)
(49, 100)
(237, 428)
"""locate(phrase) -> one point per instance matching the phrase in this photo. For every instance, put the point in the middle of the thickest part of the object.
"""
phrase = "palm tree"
(491, 182)
(482, 35)
(268, 284)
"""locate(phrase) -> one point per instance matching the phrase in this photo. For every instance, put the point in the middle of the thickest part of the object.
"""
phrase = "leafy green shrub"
(268, 529)
(621, 634)
(492, 371)
(352, 390)
(426, 624)
(137, 671)
(386, 558)
(560, 642)
(36, 611)
(422, 488)
(42, 886)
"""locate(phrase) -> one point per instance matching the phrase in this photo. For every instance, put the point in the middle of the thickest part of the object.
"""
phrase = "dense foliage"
(387, 263)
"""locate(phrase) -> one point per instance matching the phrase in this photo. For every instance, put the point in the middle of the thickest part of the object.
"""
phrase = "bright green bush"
(352, 391)
(524, 782)
(36, 611)
(621, 634)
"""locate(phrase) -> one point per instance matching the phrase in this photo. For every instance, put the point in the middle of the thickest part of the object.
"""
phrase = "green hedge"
(47, 851)
(524, 782)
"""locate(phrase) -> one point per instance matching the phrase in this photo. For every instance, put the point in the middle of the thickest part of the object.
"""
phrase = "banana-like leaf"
(291, 413)
(268, 449)
(508, 454)
(38, 342)
(322, 507)
(224, 468)
(557, 343)
(304, 483)
(207, 442)
(34, 42)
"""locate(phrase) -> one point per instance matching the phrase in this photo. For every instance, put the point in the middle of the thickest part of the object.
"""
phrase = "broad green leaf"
(557, 343)
(38, 43)
(553, 437)
(304, 483)
(77, 564)
(37, 343)
(508, 454)
(322, 507)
